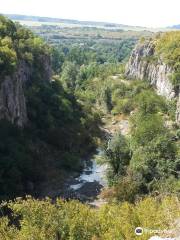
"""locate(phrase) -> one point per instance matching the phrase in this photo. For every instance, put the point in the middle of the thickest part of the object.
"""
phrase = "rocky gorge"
(80, 139)
(144, 64)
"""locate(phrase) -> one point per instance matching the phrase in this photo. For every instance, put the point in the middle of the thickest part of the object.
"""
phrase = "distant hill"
(37, 21)
(175, 26)
(57, 20)
(60, 20)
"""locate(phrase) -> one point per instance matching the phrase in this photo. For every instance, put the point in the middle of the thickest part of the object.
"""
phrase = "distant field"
(56, 31)
(37, 24)
(37, 21)
(75, 25)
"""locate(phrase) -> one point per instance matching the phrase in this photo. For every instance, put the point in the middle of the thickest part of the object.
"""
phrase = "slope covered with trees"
(63, 125)
(147, 160)
(56, 134)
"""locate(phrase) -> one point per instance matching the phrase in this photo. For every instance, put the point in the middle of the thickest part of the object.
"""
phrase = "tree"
(154, 162)
(144, 128)
(149, 102)
(69, 75)
(57, 60)
(118, 154)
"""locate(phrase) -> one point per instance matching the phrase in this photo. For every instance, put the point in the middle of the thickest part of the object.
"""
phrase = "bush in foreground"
(42, 220)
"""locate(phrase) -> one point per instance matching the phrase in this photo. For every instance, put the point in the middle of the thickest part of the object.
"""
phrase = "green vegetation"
(63, 122)
(168, 46)
(64, 119)
(56, 138)
(86, 69)
(118, 154)
(92, 51)
(57, 134)
(88, 83)
(147, 159)
(18, 44)
(42, 220)
(58, 33)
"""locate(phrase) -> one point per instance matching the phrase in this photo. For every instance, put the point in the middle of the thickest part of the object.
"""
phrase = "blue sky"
(149, 13)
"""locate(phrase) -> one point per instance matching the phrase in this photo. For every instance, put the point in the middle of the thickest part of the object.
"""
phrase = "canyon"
(144, 64)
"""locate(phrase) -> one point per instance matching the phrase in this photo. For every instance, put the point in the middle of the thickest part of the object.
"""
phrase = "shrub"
(124, 106)
(118, 154)
(42, 220)
(149, 102)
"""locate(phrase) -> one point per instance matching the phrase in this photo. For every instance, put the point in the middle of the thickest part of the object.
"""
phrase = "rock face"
(144, 64)
(12, 96)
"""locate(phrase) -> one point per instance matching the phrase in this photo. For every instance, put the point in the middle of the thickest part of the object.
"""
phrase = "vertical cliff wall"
(144, 64)
(12, 91)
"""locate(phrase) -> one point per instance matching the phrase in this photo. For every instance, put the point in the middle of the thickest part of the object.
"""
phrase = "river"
(88, 185)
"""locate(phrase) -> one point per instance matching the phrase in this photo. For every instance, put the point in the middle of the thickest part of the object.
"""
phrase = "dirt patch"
(118, 123)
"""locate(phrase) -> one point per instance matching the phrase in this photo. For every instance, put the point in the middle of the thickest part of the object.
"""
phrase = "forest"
(66, 116)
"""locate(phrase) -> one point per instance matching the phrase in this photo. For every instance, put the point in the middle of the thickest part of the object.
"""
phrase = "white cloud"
(151, 13)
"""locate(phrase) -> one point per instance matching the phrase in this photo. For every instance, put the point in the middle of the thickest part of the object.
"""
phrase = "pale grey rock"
(144, 64)
(12, 99)
(12, 95)
(45, 61)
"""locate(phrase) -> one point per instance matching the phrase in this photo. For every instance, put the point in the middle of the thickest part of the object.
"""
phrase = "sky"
(147, 13)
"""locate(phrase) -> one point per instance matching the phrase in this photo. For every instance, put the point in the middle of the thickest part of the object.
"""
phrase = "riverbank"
(87, 185)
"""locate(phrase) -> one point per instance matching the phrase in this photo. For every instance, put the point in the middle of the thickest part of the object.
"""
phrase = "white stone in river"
(76, 186)
(97, 174)
(94, 173)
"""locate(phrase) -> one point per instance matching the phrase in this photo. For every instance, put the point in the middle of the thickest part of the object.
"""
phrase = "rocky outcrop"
(12, 95)
(144, 64)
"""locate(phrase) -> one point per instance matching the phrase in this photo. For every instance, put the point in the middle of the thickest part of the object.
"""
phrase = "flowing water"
(93, 172)
(91, 181)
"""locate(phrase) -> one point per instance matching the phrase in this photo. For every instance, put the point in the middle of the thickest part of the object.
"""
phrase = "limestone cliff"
(12, 91)
(145, 64)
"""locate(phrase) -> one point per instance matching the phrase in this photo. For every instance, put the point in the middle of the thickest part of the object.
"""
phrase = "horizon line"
(84, 21)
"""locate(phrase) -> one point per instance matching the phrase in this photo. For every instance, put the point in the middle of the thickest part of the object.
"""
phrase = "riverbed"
(87, 186)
